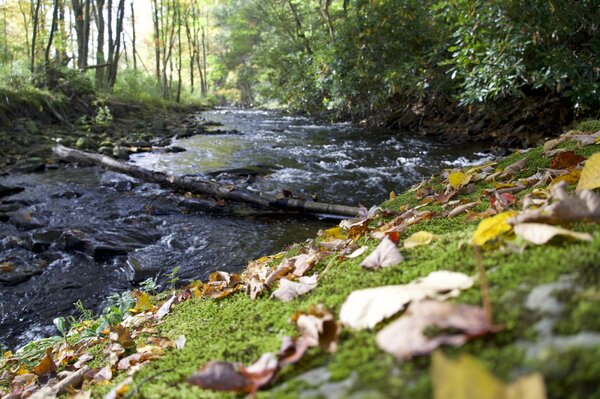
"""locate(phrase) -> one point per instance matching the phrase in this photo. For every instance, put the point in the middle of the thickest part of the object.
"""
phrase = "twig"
(145, 380)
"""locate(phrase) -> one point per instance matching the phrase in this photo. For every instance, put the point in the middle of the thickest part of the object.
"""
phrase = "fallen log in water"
(204, 187)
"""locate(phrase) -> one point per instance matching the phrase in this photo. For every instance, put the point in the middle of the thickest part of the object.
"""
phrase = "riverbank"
(534, 306)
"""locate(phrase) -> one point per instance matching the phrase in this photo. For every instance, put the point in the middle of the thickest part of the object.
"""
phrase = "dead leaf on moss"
(358, 252)
(366, 308)
(103, 376)
(459, 179)
(386, 254)
(590, 175)
(513, 168)
(289, 290)
(234, 377)
(466, 378)
(581, 206)
(255, 287)
(180, 342)
(165, 308)
(318, 327)
(121, 335)
(142, 302)
(490, 228)
(405, 337)
(566, 160)
(284, 268)
(46, 365)
(418, 239)
(121, 390)
(462, 208)
(571, 177)
(540, 234)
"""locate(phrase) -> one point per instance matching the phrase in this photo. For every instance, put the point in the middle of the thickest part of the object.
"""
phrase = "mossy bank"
(546, 299)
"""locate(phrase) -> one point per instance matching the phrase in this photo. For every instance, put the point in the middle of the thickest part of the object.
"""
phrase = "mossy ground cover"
(238, 329)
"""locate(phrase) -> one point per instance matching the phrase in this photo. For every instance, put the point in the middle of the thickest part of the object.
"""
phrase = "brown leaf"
(234, 377)
(405, 337)
(319, 327)
(121, 335)
(462, 208)
(289, 290)
(566, 160)
(292, 350)
(46, 365)
(255, 287)
(386, 254)
(514, 168)
(284, 268)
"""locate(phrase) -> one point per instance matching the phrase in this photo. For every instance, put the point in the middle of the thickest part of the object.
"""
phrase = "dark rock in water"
(40, 241)
(18, 265)
(200, 205)
(138, 272)
(66, 194)
(103, 245)
(175, 149)
(29, 165)
(124, 185)
(121, 153)
(24, 220)
(6, 191)
(10, 207)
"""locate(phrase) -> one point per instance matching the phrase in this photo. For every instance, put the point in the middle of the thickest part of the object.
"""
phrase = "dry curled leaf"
(289, 290)
(366, 308)
(466, 378)
(386, 254)
(539, 233)
(405, 337)
(165, 308)
(566, 160)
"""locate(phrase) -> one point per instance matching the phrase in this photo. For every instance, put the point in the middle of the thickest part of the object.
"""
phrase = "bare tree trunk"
(299, 29)
(52, 30)
(35, 19)
(100, 58)
(324, 6)
(81, 12)
(134, 52)
(26, 25)
(115, 46)
(191, 47)
(178, 98)
(204, 77)
(157, 43)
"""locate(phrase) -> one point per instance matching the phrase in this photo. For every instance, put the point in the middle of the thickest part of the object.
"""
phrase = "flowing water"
(72, 230)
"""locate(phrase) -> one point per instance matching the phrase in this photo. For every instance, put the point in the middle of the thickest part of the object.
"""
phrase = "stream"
(73, 233)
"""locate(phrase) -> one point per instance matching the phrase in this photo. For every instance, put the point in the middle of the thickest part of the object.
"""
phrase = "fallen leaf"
(319, 327)
(284, 268)
(103, 376)
(121, 390)
(365, 308)
(234, 377)
(419, 238)
(459, 179)
(490, 228)
(121, 335)
(131, 360)
(334, 233)
(305, 262)
(386, 254)
(358, 252)
(405, 337)
(255, 287)
(461, 208)
(46, 365)
(539, 233)
(582, 206)
(334, 245)
(550, 144)
(289, 290)
(572, 177)
(83, 359)
(590, 175)
(180, 342)
(515, 167)
(586, 139)
(566, 160)
(142, 302)
(165, 308)
(466, 378)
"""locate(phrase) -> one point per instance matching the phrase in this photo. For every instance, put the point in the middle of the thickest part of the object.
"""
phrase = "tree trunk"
(179, 62)
(205, 187)
(35, 21)
(52, 30)
(156, 38)
(100, 59)
(133, 50)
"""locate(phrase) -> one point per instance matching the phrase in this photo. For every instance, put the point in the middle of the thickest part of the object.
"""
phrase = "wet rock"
(39, 241)
(18, 265)
(124, 185)
(159, 127)
(29, 165)
(69, 194)
(6, 191)
(106, 244)
(121, 153)
(105, 150)
(83, 143)
(24, 220)
(175, 149)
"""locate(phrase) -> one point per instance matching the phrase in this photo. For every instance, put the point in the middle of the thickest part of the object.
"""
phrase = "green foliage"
(377, 55)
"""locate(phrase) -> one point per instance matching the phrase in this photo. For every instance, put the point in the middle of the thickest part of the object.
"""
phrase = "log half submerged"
(205, 187)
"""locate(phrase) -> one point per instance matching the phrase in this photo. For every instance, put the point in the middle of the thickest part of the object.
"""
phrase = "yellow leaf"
(392, 195)
(492, 227)
(466, 378)
(459, 179)
(142, 303)
(539, 233)
(334, 233)
(570, 178)
(418, 238)
(590, 175)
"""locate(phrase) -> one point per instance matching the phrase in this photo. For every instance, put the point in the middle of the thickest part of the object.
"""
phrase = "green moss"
(590, 125)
